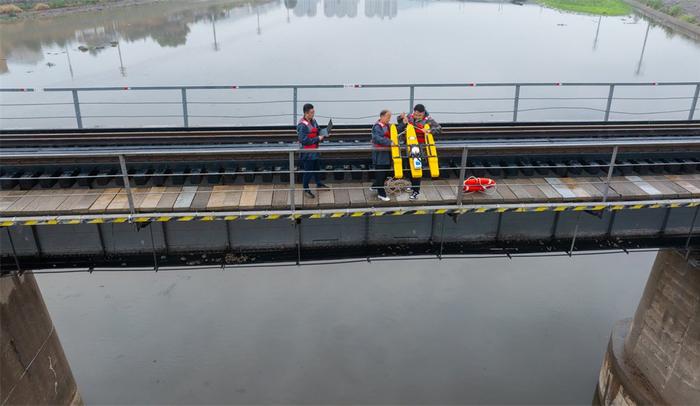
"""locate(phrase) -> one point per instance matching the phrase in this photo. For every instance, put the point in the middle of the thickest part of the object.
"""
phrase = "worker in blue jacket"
(310, 138)
(381, 155)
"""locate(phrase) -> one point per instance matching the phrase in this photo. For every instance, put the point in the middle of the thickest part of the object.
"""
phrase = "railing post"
(292, 182)
(185, 117)
(462, 174)
(610, 101)
(127, 185)
(694, 104)
(295, 106)
(515, 103)
(411, 98)
(610, 173)
(76, 105)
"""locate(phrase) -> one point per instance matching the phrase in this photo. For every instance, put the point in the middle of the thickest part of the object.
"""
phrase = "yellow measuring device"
(432, 153)
(414, 161)
(396, 152)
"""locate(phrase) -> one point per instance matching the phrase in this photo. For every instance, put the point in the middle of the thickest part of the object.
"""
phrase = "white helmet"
(415, 151)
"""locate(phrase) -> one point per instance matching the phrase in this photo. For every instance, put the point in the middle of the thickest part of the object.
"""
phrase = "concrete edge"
(690, 30)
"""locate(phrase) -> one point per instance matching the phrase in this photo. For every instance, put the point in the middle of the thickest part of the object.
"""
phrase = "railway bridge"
(153, 198)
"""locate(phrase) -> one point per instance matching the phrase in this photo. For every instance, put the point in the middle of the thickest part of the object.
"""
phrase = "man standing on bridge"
(309, 138)
(381, 156)
(418, 119)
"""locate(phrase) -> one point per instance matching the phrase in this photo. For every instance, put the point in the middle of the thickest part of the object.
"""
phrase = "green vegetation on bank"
(674, 11)
(597, 7)
(7, 7)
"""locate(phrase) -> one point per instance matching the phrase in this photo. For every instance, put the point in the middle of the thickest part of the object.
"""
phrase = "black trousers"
(311, 168)
(415, 184)
(380, 176)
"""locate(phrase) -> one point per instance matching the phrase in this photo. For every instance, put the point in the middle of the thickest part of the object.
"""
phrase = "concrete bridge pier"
(33, 367)
(654, 358)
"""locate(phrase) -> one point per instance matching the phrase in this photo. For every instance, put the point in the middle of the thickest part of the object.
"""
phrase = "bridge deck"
(276, 196)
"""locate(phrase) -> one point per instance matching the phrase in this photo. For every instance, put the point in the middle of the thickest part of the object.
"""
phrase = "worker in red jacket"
(310, 138)
(419, 119)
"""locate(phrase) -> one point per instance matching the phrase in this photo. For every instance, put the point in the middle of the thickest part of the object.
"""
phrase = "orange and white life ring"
(474, 184)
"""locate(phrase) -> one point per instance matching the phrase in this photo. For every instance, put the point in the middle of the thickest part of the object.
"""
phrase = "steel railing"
(291, 153)
(606, 108)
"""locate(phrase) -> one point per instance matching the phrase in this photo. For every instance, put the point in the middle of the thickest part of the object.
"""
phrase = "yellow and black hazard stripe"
(330, 214)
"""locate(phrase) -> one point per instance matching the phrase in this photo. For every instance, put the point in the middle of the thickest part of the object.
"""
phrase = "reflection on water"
(217, 42)
(170, 24)
(166, 23)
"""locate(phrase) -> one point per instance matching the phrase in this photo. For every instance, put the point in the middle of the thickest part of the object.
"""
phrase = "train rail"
(348, 133)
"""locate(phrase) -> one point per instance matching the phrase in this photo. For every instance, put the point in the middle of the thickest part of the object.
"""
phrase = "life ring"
(474, 184)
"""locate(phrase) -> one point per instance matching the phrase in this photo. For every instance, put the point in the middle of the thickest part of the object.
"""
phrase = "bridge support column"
(33, 367)
(654, 358)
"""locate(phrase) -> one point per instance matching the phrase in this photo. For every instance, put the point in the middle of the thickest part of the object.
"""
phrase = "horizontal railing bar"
(359, 85)
(273, 149)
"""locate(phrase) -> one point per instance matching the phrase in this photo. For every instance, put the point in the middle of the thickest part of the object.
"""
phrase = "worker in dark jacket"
(381, 155)
(420, 118)
(309, 136)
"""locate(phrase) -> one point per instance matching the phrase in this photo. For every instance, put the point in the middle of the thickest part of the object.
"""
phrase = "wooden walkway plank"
(521, 191)
(185, 198)
(70, 199)
(104, 200)
(263, 200)
(8, 197)
(120, 202)
(565, 189)
(550, 193)
(627, 189)
(86, 200)
(581, 190)
(356, 194)
(528, 186)
(662, 183)
(225, 197)
(310, 202)
(248, 197)
(446, 191)
(49, 201)
(25, 200)
(326, 199)
(138, 195)
(692, 186)
(280, 197)
(201, 198)
(152, 198)
(646, 187)
(599, 184)
(170, 196)
(654, 188)
(507, 194)
(341, 195)
(430, 192)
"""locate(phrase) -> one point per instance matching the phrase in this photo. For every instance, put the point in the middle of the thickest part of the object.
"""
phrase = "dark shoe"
(413, 196)
(322, 186)
(309, 193)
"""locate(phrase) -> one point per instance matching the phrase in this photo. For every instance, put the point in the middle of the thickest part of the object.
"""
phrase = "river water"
(454, 331)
